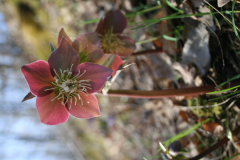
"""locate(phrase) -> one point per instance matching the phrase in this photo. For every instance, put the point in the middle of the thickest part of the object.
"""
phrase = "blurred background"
(128, 129)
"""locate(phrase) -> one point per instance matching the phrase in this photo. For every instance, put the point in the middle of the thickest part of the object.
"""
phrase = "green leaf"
(51, 46)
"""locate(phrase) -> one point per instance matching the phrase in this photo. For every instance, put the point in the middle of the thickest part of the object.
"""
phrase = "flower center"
(67, 86)
(110, 42)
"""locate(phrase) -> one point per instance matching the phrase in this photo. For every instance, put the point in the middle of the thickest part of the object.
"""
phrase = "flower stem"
(191, 91)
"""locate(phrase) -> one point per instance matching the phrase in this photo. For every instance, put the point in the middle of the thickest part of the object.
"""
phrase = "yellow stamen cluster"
(111, 43)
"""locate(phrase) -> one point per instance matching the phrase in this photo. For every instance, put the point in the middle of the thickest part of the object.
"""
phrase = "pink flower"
(110, 31)
(62, 86)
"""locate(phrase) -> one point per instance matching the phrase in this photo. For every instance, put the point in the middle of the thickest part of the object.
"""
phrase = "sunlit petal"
(37, 75)
(51, 112)
(85, 108)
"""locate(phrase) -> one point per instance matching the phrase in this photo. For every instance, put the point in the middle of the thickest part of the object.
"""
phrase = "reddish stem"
(192, 91)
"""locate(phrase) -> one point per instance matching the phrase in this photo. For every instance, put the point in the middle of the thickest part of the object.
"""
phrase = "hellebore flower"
(110, 31)
(62, 86)
(88, 46)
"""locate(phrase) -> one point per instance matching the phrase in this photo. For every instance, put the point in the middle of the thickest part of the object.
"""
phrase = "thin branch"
(210, 149)
(216, 145)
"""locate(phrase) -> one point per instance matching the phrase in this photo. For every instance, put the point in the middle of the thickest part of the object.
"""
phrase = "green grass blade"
(231, 79)
(144, 6)
(172, 16)
(224, 90)
(215, 18)
(224, 96)
(154, 38)
(133, 14)
(147, 40)
(170, 5)
(232, 157)
(233, 22)
(183, 133)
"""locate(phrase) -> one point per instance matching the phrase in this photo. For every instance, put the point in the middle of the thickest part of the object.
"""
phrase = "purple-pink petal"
(106, 60)
(64, 57)
(97, 75)
(62, 34)
(128, 47)
(99, 28)
(51, 112)
(28, 96)
(89, 41)
(115, 21)
(87, 108)
(38, 75)
(95, 55)
(116, 64)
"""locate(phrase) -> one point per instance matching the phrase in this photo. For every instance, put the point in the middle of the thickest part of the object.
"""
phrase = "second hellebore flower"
(62, 86)
(110, 30)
